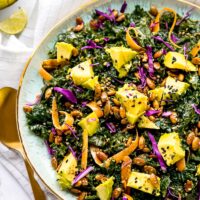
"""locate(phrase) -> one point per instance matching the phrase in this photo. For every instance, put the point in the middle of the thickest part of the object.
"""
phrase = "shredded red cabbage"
(111, 127)
(106, 39)
(156, 152)
(124, 198)
(105, 15)
(185, 47)
(84, 103)
(166, 114)
(37, 100)
(151, 112)
(174, 38)
(107, 64)
(124, 6)
(142, 75)
(82, 174)
(153, 25)
(72, 131)
(196, 109)
(199, 190)
(72, 151)
(49, 149)
(91, 45)
(158, 38)
(166, 25)
(170, 194)
(94, 64)
(53, 130)
(68, 94)
(150, 61)
(186, 16)
(132, 24)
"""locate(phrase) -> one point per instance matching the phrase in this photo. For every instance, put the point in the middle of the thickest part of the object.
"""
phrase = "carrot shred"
(130, 40)
(93, 105)
(53, 64)
(195, 49)
(84, 150)
(125, 152)
(55, 117)
(45, 75)
(69, 120)
(125, 170)
(156, 28)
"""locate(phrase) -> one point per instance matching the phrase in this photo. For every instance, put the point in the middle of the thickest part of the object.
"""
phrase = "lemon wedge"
(5, 3)
(15, 23)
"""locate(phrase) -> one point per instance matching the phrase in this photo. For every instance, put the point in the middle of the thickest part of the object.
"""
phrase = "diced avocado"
(169, 146)
(157, 92)
(174, 60)
(174, 88)
(123, 71)
(198, 170)
(104, 190)
(64, 50)
(134, 102)
(67, 171)
(90, 123)
(141, 181)
(145, 122)
(82, 72)
(120, 57)
(90, 84)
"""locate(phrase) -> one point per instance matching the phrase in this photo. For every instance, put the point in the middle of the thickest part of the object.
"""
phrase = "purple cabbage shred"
(156, 152)
(158, 38)
(124, 6)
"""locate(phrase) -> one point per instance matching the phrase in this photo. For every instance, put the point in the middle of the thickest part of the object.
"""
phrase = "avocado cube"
(174, 88)
(134, 102)
(145, 122)
(141, 181)
(82, 72)
(67, 171)
(174, 60)
(90, 84)
(90, 123)
(120, 57)
(64, 50)
(104, 190)
(170, 147)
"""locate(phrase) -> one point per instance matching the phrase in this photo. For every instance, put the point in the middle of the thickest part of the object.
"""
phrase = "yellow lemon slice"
(5, 3)
(15, 23)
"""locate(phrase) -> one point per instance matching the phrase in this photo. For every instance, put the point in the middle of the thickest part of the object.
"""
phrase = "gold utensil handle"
(9, 134)
(37, 191)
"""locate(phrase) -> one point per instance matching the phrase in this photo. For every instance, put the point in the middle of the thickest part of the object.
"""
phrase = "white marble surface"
(14, 51)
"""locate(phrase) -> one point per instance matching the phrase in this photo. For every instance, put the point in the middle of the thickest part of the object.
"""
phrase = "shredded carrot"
(53, 64)
(125, 152)
(156, 28)
(45, 75)
(93, 105)
(55, 117)
(125, 170)
(196, 49)
(130, 40)
(84, 150)
(69, 120)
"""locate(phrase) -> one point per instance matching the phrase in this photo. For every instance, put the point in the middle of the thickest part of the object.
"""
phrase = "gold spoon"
(9, 134)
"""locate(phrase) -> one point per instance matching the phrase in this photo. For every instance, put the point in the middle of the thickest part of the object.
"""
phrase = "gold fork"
(9, 134)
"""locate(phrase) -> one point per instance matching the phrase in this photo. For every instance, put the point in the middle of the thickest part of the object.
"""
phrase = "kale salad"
(120, 108)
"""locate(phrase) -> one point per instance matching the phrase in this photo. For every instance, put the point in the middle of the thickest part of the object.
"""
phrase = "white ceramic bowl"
(31, 82)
